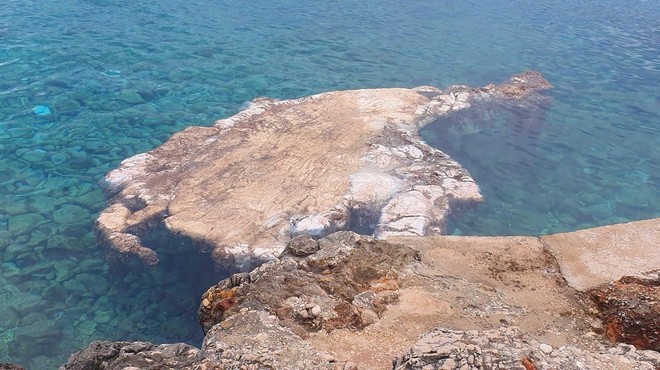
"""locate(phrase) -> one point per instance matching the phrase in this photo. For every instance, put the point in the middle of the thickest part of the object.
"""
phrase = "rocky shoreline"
(354, 302)
(277, 191)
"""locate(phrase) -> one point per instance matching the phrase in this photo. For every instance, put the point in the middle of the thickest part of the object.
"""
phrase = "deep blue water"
(119, 77)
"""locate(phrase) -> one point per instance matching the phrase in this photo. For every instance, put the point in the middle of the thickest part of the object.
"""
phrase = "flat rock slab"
(334, 161)
(592, 257)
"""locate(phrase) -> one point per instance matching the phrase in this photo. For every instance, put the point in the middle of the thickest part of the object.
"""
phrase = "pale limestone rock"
(129, 169)
(411, 213)
(589, 258)
(373, 187)
(243, 187)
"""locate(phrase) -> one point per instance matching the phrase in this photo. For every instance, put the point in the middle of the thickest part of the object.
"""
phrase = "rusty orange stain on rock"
(528, 364)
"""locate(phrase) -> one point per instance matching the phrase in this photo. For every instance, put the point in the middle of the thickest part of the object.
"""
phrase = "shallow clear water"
(118, 77)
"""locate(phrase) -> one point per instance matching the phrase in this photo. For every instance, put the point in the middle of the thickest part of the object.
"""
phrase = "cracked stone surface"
(438, 302)
(510, 348)
(245, 186)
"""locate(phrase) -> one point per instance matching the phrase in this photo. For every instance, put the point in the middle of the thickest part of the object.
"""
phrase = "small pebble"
(545, 348)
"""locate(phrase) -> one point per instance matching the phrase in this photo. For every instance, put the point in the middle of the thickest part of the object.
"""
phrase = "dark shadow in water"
(77, 299)
(164, 298)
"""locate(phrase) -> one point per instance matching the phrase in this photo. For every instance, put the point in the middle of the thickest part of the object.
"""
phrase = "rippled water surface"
(87, 83)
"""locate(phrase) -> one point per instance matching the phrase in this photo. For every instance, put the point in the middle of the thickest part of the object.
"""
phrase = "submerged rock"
(131, 96)
(243, 187)
(6, 366)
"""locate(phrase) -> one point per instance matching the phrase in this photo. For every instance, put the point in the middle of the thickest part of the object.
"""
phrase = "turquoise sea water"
(87, 83)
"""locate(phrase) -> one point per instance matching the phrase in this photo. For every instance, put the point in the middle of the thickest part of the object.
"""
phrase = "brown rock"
(301, 246)
(363, 301)
(5, 366)
(135, 355)
(528, 364)
(317, 292)
(589, 258)
(630, 309)
(215, 302)
(377, 297)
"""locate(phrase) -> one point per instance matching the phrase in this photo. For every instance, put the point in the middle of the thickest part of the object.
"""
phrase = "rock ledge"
(333, 161)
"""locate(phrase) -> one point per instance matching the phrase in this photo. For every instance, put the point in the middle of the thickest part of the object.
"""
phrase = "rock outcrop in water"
(348, 301)
(263, 182)
(334, 161)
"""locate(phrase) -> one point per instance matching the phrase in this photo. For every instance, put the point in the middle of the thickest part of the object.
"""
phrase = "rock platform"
(443, 302)
(243, 187)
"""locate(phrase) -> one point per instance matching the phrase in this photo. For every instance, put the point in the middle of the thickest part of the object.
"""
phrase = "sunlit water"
(118, 77)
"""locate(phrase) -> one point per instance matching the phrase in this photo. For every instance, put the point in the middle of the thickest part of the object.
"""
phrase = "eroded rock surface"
(511, 349)
(630, 309)
(132, 356)
(348, 301)
(345, 285)
(243, 187)
(357, 299)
